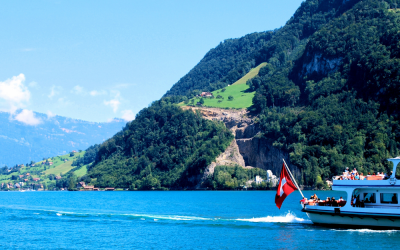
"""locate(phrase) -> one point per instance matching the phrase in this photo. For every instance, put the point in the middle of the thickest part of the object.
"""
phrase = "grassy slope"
(252, 73)
(63, 168)
(81, 172)
(57, 167)
(241, 98)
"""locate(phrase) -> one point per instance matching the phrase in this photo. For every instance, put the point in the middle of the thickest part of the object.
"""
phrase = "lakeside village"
(27, 183)
(54, 174)
(50, 174)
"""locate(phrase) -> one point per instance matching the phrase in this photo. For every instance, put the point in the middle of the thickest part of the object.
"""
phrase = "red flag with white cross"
(285, 187)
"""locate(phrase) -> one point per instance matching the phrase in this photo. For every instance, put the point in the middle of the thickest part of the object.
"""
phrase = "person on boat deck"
(394, 199)
(356, 177)
(341, 198)
(362, 176)
(334, 202)
(354, 171)
(386, 176)
(328, 201)
(358, 203)
(369, 174)
(346, 170)
(354, 201)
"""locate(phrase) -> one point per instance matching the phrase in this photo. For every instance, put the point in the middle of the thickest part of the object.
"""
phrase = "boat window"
(369, 198)
(397, 172)
(389, 198)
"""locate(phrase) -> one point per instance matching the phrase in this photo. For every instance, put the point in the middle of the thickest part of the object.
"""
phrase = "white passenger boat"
(377, 206)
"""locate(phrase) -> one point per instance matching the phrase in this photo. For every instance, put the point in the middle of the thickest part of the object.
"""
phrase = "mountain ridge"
(55, 135)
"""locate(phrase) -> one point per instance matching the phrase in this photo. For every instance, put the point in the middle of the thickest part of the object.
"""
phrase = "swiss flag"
(285, 187)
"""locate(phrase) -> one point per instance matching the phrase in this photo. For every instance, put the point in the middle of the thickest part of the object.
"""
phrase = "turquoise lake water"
(171, 220)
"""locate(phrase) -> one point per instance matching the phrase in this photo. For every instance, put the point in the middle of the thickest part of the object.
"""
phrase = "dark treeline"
(88, 157)
(164, 147)
(221, 66)
(230, 178)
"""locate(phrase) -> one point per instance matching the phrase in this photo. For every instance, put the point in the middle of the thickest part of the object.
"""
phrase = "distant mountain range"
(21, 143)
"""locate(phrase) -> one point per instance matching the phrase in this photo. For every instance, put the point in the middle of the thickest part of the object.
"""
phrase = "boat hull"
(354, 221)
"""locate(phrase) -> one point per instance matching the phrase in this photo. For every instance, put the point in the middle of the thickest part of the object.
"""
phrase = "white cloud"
(78, 90)
(33, 84)
(50, 114)
(14, 93)
(96, 93)
(55, 90)
(128, 115)
(114, 103)
(28, 117)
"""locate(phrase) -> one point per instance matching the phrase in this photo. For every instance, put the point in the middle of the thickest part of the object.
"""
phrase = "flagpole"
(294, 180)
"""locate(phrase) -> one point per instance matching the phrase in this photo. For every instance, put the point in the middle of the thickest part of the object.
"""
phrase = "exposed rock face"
(256, 150)
(248, 149)
(321, 65)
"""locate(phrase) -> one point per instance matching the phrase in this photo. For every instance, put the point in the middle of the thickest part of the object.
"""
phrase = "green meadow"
(233, 96)
(43, 171)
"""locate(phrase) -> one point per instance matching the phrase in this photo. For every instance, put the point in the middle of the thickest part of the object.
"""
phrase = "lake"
(171, 220)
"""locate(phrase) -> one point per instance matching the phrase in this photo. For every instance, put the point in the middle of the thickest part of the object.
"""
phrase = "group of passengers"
(328, 202)
(354, 175)
(357, 202)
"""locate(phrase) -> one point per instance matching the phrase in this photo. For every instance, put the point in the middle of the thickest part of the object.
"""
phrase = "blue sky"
(96, 60)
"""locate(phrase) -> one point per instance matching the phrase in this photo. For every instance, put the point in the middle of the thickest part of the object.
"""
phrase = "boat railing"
(324, 203)
(361, 178)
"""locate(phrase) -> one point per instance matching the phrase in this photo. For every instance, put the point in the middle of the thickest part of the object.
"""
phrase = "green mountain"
(327, 96)
(221, 66)
(162, 148)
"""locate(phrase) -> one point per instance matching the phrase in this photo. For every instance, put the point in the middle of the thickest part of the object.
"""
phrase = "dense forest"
(336, 104)
(221, 66)
(327, 96)
(164, 147)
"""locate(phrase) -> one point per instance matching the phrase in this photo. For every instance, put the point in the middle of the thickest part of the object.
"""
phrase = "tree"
(72, 182)
(201, 101)
(230, 98)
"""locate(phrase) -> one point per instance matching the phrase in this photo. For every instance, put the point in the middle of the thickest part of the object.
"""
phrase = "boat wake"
(288, 218)
(367, 231)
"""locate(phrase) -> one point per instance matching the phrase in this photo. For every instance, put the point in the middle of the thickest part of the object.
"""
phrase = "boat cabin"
(377, 192)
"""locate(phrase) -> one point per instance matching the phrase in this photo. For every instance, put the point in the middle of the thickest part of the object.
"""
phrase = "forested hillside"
(327, 95)
(336, 105)
(164, 147)
(221, 66)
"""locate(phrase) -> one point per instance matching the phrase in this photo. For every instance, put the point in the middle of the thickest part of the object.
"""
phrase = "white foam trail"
(365, 230)
(288, 218)
(167, 217)
(59, 214)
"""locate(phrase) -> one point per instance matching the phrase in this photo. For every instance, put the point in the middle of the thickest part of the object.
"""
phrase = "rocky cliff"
(248, 149)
